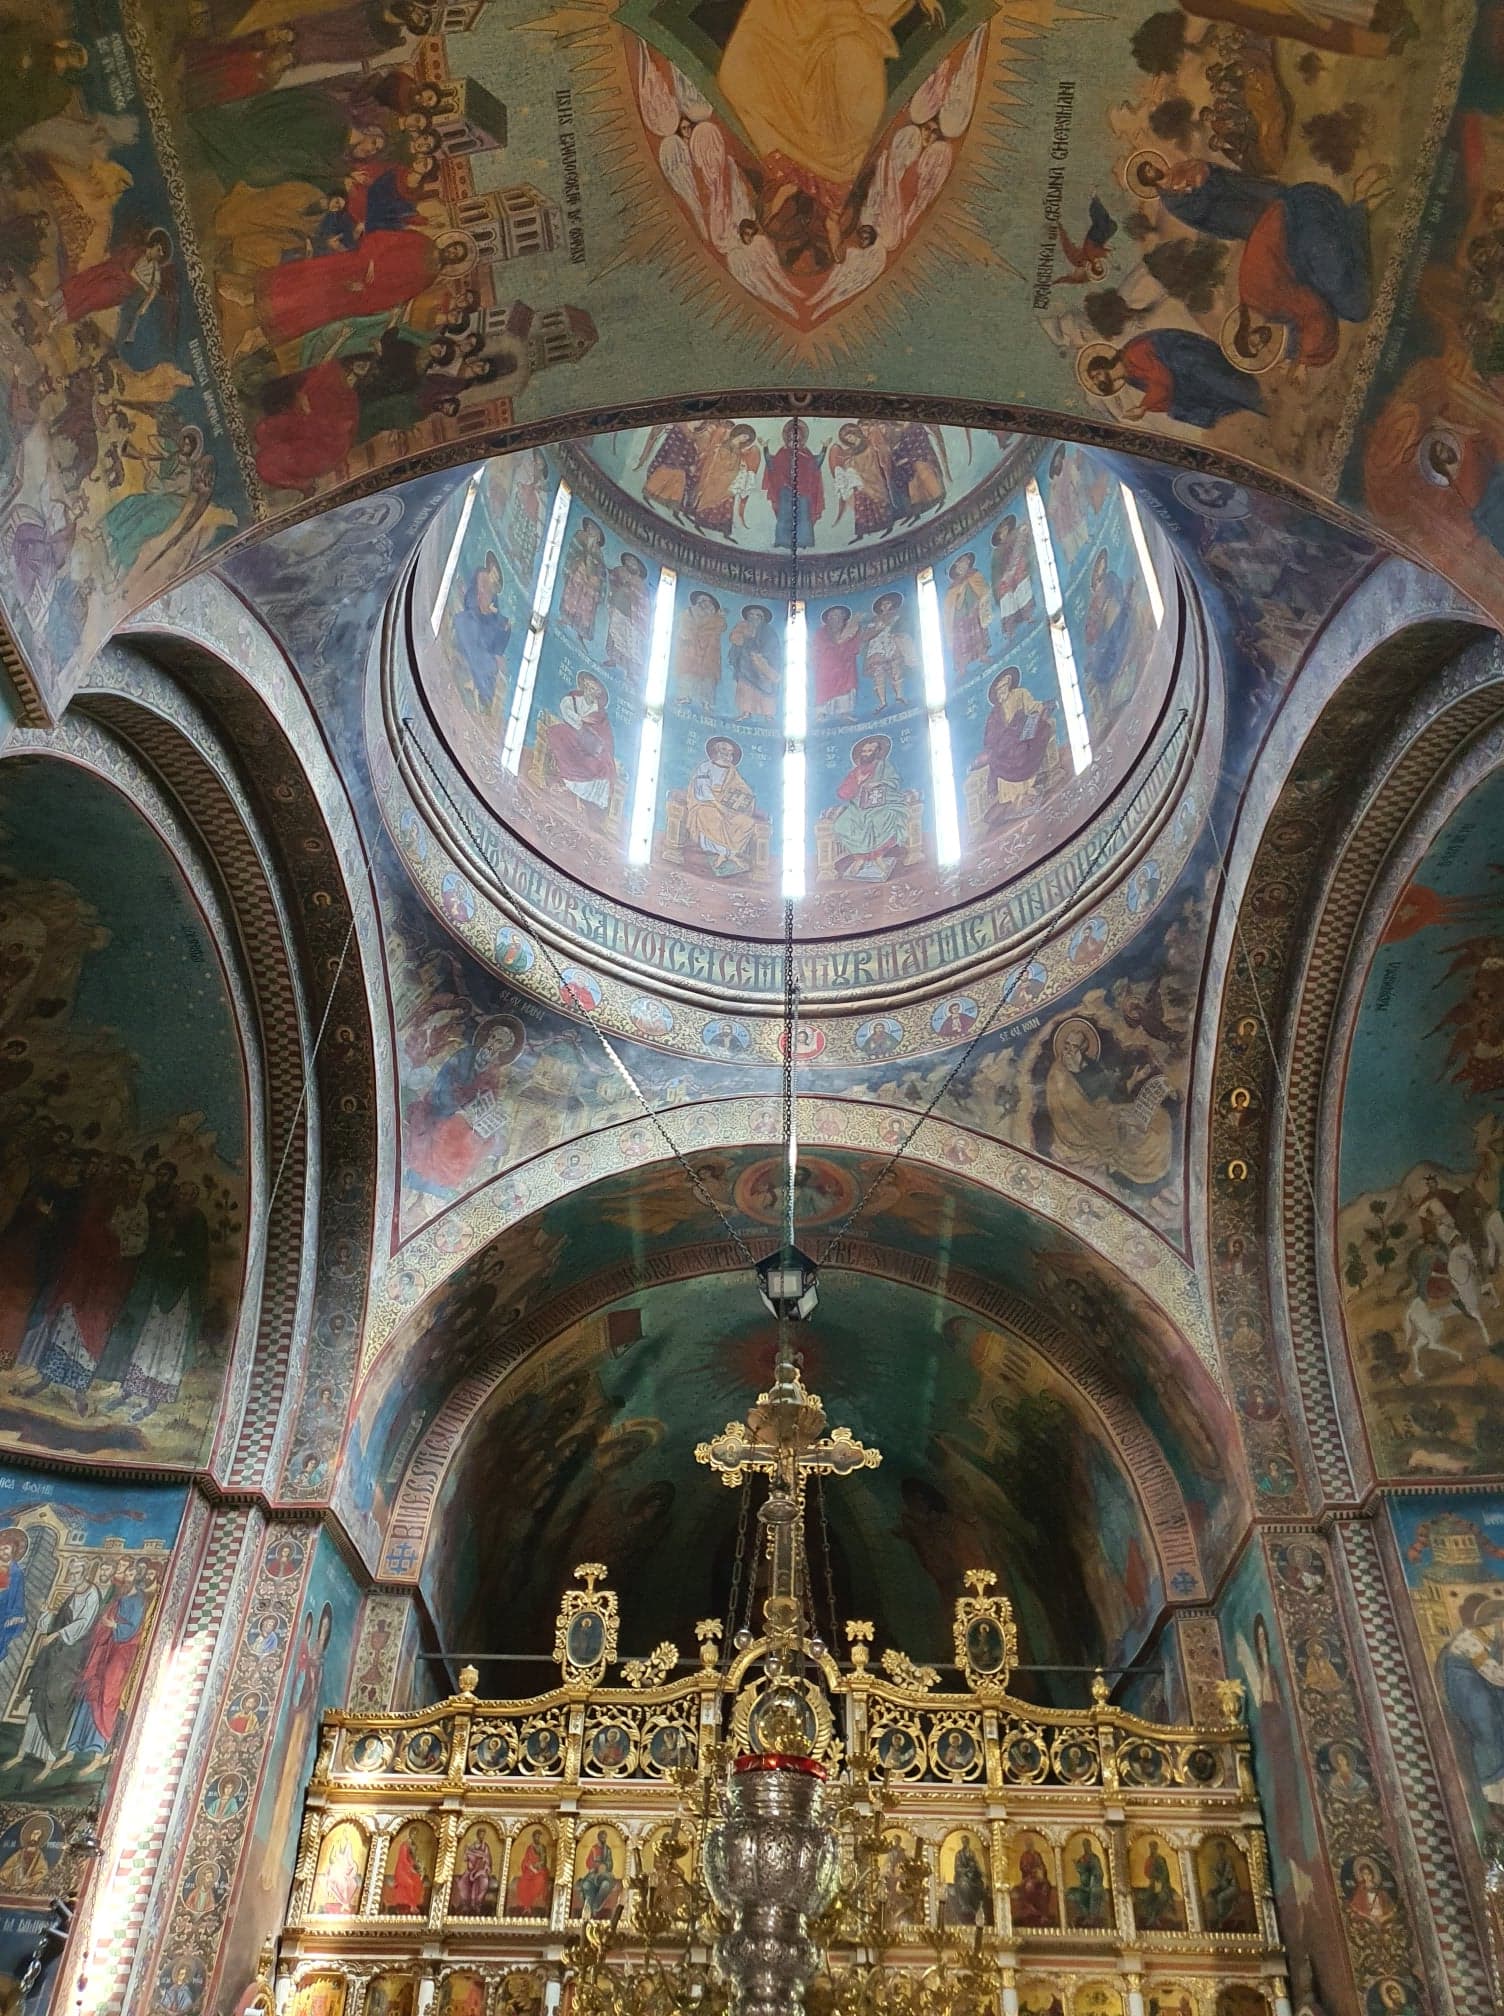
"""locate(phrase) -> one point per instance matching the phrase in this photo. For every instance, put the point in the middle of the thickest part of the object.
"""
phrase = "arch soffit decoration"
(418, 1270)
(1391, 598)
(255, 686)
(1393, 700)
(1145, 1465)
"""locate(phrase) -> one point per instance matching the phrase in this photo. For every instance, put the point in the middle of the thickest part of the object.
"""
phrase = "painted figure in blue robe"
(482, 631)
(12, 1587)
(1307, 262)
(1175, 372)
(1471, 1671)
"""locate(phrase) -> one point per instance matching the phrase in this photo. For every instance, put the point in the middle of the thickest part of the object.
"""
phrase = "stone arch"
(279, 877)
(1160, 1492)
(1400, 707)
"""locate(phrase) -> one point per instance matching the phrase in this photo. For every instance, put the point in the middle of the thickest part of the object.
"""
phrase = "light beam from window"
(795, 773)
(942, 760)
(650, 746)
(527, 671)
(446, 579)
(1145, 557)
(1066, 677)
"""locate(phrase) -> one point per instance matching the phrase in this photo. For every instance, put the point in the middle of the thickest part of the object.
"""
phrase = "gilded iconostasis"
(499, 502)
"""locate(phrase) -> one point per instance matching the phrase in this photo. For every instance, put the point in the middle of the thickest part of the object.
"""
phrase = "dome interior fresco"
(879, 723)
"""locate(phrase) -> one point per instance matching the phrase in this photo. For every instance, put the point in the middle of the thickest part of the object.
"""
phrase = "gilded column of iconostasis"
(253, 254)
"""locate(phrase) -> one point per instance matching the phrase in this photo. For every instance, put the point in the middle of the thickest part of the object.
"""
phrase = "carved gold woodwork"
(986, 1839)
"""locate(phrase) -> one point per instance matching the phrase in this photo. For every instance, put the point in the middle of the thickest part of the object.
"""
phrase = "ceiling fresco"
(918, 1226)
(252, 254)
(684, 810)
(988, 1459)
(123, 1169)
(1419, 1231)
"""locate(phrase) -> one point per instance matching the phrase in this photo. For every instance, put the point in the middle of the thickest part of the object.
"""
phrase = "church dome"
(932, 684)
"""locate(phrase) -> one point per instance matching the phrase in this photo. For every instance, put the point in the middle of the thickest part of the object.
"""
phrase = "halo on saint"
(1250, 343)
(1086, 356)
(1073, 1024)
(1143, 172)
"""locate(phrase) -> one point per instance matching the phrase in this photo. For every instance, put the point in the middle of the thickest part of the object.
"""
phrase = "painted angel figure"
(672, 124)
(878, 235)
(734, 230)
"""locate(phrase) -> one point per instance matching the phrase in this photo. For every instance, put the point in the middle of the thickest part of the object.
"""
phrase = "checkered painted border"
(1420, 1809)
(218, 1841)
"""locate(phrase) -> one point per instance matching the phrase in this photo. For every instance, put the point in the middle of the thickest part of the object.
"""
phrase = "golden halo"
(1253, 367)
(472, 251)
(1093, 1035)
(1086, 355)
(1133, 169)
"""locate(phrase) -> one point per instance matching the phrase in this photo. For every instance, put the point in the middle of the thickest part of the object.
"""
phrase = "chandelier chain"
(833, 1614)
(738, 1568)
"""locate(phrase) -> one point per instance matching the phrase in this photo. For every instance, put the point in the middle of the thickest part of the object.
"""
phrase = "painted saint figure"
(870, 823)
(460, 1119)
(792, 471)
(756, 663)
(584, 584)
(474, 1890)
(1086, 1898)
(834, 647)
(697, 650)
(890, 653)
(1012, 578)
(1176, 372)
(1306, 264)
(13, 1545)
(1156, 1902)
(720, 808)
(404, 1888)
(1101, 1120)
(599, 1888)
(114, 1645)
(1471, 1672)
(531, 1888)
(809, 87)
(482, 631)
(1017, 742)
(969, 1894)
(50, 1686)
(968, 613)
(1034, 1898)
(581, 748)
(169, 1333)
(628, 620)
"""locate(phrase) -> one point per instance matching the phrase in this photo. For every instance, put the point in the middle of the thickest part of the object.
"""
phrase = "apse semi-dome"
(678, 675)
